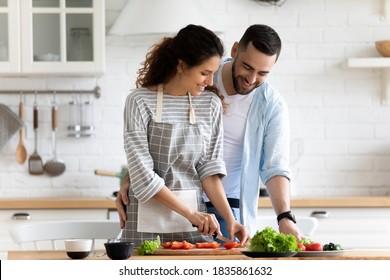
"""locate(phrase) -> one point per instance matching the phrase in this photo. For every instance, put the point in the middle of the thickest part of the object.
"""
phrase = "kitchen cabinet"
(9, 36)
(8, 217)
(52, 37)
(352, 227)
(18, 210)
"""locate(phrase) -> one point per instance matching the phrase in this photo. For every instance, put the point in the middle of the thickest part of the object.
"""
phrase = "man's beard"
(236, 84)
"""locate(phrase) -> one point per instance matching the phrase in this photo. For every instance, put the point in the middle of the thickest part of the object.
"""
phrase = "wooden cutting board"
(195, 251)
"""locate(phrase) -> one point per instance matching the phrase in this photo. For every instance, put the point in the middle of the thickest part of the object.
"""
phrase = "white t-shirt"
(234, 120)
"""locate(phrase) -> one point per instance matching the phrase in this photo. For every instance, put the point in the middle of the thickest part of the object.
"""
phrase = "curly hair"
(193, 45)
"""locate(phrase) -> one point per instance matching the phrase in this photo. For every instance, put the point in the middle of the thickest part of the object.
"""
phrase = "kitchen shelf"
(376, 62)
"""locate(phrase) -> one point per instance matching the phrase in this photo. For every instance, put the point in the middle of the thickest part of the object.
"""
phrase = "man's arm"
(278, 188)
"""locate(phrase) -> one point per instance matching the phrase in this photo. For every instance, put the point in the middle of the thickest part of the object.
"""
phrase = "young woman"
(173, 143)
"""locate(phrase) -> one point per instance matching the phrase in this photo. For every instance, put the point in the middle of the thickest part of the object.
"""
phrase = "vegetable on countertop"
(268, 240)
(149, 246)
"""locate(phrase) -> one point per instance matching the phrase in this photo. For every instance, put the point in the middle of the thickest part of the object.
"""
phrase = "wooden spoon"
(21, 152)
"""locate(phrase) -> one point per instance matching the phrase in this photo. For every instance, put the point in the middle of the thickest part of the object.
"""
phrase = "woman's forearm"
(213, 188)
(170, 200)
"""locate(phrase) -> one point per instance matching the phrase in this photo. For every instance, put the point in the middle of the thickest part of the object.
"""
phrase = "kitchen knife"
(218, 236)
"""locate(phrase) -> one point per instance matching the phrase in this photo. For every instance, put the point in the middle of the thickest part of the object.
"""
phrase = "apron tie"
(159, 107)
(192, 111)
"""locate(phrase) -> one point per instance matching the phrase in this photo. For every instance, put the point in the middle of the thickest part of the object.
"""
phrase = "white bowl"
(78, 248)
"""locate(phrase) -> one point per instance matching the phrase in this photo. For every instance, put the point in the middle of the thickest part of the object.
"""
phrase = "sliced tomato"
(167, 244)
(231, 245)
(177, 245)
(188, 245)
(206, 245)
(214, 245)
(199, 245)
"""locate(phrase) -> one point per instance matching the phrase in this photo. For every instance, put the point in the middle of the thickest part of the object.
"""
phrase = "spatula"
(35, 165)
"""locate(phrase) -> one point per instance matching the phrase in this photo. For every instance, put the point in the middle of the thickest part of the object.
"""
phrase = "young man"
(256, 133)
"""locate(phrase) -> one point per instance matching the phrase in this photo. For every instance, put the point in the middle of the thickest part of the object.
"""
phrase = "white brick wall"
(334, 110)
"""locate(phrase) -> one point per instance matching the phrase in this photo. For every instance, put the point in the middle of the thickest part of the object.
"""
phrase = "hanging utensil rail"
(95, 91)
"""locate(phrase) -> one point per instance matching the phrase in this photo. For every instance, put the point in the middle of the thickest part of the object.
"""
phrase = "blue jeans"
(222, 223)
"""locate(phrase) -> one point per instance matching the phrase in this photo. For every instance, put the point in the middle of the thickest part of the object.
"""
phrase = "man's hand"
(123, 199)
(287, 226)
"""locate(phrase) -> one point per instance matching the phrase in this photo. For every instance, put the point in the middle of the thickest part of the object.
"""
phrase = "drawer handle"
(21, 216)
(320, 214)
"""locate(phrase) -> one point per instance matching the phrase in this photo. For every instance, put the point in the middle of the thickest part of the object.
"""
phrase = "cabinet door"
(9, 36)
(63, 36)
(8, 217)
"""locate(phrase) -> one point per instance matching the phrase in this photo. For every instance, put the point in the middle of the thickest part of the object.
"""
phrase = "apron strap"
(159, 103)
(192, 111)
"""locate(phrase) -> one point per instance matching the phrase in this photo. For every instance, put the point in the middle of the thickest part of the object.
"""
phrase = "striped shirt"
(173, 153)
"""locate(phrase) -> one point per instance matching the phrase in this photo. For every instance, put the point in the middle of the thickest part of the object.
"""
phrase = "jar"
(80, 47)
(74, 126)
(87, 119)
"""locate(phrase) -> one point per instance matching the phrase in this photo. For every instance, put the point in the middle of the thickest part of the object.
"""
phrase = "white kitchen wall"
(337, 121)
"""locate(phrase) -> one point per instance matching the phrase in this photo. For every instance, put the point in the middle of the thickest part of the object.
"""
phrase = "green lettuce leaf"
(268, 240)
(149, 246)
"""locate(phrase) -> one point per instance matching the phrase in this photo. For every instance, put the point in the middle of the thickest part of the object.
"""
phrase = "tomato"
(214, 245)
(188, 245)
(177, 245)
(302, 247)
(207, 245)
(231, 245)
(167, 245)
(314, 247)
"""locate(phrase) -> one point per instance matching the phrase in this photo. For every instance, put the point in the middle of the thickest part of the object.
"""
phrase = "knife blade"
(218, 236)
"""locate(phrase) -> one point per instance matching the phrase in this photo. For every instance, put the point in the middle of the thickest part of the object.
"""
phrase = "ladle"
(55, 166)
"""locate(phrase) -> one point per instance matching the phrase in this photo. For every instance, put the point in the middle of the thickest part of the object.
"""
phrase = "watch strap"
(288, 215)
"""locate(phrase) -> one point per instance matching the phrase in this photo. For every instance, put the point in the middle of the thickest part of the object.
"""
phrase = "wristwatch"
(287, 215)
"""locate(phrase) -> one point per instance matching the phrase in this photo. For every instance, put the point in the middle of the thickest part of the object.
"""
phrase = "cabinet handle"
(320, 214)
(21, 216)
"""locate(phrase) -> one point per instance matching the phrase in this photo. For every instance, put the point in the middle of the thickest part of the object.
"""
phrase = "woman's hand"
(239, 231)
(206, 223)
(122, 200)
